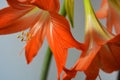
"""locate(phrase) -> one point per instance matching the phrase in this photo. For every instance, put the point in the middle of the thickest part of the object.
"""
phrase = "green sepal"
(69, 7)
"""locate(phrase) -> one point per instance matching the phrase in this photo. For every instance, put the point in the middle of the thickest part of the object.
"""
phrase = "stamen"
(24, 36)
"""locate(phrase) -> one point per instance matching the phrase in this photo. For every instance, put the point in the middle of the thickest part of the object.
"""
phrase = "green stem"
(46, 64)
(48, 55)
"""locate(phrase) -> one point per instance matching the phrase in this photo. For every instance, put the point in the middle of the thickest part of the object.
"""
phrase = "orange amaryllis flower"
(110, 9)
(102, 49)
(42, 18)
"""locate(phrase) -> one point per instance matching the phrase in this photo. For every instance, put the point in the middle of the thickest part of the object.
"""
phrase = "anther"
(24, 36)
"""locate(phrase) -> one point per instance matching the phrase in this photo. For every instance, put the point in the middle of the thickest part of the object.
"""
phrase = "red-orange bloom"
(111, 11)
(43, 20)
(102, 49)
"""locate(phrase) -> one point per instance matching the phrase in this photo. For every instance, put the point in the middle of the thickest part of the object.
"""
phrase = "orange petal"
(86, 58)
(61, 28)
(18, 23)
(34, 44)
(109, 22)
(60, 39)
(102, 13)
(113, 20)
(93, 70)
(50, 5)
(69, 74)
(9, 15)
(32, 48)
(37, 32)
(17, 4)
(108, 57)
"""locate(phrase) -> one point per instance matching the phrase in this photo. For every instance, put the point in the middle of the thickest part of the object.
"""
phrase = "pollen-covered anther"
(24, 36)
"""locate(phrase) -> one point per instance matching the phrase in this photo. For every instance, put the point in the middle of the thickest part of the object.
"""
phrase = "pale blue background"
(13, 66)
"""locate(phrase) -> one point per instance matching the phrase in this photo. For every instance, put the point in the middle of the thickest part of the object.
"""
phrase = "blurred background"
(13, 64)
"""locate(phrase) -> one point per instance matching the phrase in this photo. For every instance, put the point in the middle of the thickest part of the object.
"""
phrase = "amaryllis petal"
(32, 47)
(93, 70)
(34, 44)
(109, 23)
(9, 15)
(113, 18)
(17, 23)
(60, 39)
(86, 58)
(62, 28)
(49, 5)
(69, 74)
(37, 34)
(102, 12)
(17, 4)
(110, 63)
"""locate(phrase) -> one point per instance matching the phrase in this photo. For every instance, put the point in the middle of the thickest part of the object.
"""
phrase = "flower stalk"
(46, 64)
